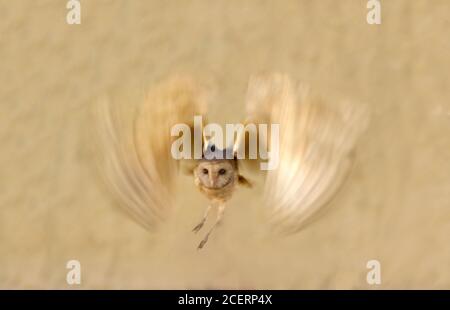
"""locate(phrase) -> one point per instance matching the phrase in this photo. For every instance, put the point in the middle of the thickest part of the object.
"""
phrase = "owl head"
(216, 174)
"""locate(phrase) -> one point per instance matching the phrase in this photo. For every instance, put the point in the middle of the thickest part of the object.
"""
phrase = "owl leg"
(218, 220)
(200, 225)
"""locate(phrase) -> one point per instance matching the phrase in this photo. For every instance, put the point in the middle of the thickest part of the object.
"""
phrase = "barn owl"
(316, 139)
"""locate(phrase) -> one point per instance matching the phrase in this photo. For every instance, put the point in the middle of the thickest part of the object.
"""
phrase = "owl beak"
(213, 181)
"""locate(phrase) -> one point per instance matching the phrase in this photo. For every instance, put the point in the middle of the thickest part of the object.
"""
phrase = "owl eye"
(205, 171)
(222, 171)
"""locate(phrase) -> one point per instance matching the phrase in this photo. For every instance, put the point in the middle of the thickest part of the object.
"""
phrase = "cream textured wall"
(394, 208)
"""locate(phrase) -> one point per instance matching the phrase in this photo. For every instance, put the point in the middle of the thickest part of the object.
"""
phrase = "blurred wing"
(136, 160)
(315, 142)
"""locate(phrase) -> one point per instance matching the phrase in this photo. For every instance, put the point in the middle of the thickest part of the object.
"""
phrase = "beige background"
(394, 208)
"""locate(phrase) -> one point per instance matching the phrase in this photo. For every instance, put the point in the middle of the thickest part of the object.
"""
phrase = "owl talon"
(202, 243)
(198, 227)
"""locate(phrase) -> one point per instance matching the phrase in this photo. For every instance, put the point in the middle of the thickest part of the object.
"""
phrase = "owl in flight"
(315, 141)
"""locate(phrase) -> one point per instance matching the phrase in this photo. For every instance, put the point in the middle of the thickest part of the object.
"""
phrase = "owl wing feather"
(315, 142)
(135, 147)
